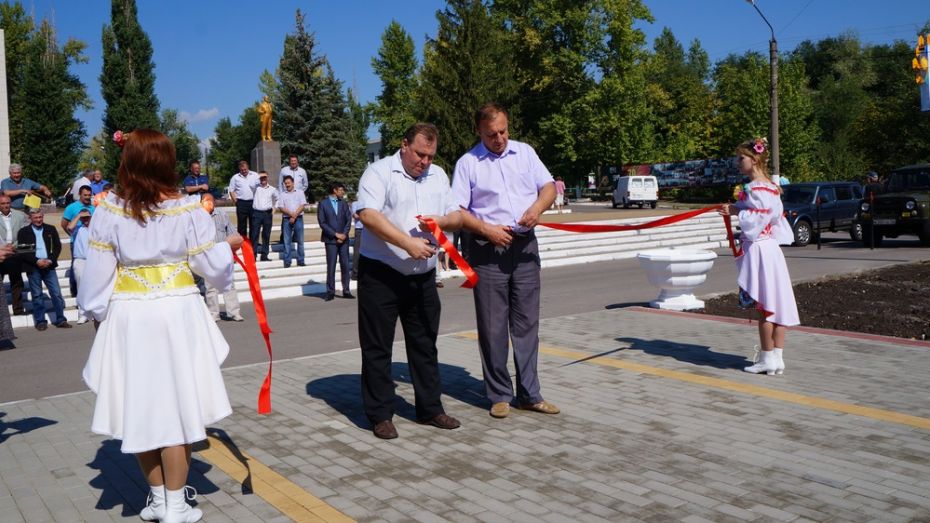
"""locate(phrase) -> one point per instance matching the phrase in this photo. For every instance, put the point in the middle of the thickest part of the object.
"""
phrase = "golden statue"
(264, 113)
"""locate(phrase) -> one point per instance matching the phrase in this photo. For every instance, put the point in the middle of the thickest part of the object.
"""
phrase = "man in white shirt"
(86, 179)
(242, 190)
(263, 204)
(292, 202)
(296, 172)
(396, 276)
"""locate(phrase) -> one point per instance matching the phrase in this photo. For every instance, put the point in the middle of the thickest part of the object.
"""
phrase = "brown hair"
(488, 112)
(428, 130)
(146, 172)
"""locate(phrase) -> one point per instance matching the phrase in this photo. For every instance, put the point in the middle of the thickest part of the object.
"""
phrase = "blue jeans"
(50, 278)
(293, 233)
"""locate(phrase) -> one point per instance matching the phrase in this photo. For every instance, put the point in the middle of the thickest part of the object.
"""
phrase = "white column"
(4, 113)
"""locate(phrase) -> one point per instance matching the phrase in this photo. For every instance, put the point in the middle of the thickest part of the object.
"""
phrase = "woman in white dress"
(155, 361)
(763, 278)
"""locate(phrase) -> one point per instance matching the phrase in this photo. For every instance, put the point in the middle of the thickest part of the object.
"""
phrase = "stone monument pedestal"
(266, 156)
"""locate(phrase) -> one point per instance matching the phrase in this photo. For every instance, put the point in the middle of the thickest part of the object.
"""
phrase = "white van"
(636, 190)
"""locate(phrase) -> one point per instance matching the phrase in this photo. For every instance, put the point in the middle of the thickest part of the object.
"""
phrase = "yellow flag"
(32, 201)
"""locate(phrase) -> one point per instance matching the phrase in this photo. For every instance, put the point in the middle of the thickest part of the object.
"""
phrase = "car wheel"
(855, 233)
(653, 204)
(802, 233)
(870, 239)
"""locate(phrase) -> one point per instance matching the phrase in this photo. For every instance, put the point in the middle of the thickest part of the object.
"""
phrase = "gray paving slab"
(629, 445)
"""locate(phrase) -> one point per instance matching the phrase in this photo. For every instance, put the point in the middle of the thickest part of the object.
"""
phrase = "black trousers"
(384, 295)
(14, 269)
(261, 224)
(243, 217)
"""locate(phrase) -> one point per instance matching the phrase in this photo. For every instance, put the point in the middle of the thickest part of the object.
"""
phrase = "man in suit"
(11, 221)
(41, 264)
(335, 219)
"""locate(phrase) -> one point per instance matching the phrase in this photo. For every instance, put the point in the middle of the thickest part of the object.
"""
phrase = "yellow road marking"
(718, 383)
(283, 494)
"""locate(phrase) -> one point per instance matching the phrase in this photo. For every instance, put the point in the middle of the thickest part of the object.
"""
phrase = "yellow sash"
(143, 280)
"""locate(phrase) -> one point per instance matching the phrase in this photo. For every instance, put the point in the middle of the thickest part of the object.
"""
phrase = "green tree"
(17, 28)
(361, 119)
(893, 131)
(742, 88)
(468, 63)
(232, 143)
(396, 66)
(127, 81)
(93, 153)
(186, 143)
(681, 99)
(53, 137)
(314, 120)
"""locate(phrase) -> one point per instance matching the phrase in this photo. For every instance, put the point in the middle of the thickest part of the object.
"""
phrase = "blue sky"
(210, 53)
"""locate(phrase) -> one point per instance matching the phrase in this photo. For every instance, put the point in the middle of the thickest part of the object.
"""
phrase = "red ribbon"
(471, 277)
(667, 220)
(247, 262)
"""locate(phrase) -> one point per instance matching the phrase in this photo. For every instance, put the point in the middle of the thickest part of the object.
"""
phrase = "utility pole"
(773, 94)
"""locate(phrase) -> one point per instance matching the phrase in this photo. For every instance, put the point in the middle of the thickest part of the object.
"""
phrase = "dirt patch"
(893, 301)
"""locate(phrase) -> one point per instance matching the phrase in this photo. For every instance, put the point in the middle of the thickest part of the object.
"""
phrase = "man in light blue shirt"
(242, 190)
(505, 188)
(396, 276)
(17, 187)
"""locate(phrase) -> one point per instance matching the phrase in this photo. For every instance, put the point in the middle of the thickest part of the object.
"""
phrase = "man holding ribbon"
(398, 197)
(505, 188)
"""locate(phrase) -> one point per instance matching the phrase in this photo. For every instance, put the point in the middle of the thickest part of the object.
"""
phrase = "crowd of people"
(143, 257)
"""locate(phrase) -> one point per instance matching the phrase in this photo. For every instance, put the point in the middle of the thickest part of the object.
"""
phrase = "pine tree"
(396, 66)
(128, 78)
(53, 137)
(312, 116)
(467, 64)
(17, 31)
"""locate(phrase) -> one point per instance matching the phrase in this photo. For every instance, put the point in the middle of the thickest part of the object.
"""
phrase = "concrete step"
(557, 248)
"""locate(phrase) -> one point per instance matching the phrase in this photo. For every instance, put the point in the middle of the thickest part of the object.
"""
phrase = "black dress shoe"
(19, 313)
(385, 429)
(329, 297)
(63, 325)
(443, 421)
(265, 258)
(41, 326)
(348, 296)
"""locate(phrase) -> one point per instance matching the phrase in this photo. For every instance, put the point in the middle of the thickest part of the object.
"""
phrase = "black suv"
(838, 204)
(903, 207)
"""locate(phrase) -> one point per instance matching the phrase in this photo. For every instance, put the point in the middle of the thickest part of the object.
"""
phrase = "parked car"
(838, 204)
(636, 190)
(903, 207)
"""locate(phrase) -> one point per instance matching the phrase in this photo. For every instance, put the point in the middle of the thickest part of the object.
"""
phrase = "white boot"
(766, 363)
(178, 509)
(154, 505)
(780, 363)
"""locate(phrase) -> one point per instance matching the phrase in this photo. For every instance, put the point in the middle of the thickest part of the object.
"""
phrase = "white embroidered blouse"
(132, 260)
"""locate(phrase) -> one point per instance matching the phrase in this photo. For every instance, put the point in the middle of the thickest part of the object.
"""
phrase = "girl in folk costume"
(763, 277)
(157, 385)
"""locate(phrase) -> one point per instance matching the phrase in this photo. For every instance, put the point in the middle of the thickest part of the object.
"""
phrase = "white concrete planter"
(676, 272)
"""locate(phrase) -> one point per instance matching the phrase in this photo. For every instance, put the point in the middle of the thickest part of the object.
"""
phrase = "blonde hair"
(749, 149)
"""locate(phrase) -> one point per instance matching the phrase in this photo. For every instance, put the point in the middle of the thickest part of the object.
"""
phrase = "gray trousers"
(507, 309)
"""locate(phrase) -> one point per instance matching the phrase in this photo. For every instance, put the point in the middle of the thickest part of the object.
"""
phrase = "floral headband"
(760, 145)
(120, 138)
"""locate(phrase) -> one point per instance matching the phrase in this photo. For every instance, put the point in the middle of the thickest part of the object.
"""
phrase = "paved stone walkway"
(658, 423)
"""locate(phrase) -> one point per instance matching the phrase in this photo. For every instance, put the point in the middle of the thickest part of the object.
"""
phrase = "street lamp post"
(773, 93)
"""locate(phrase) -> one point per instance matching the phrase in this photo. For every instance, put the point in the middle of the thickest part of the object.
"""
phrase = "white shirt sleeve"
(97, 284)
(210, 259)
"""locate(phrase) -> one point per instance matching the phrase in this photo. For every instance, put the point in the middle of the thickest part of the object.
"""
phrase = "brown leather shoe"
(500, 410)
(443, 421)
(543, 406)
(385, 429)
